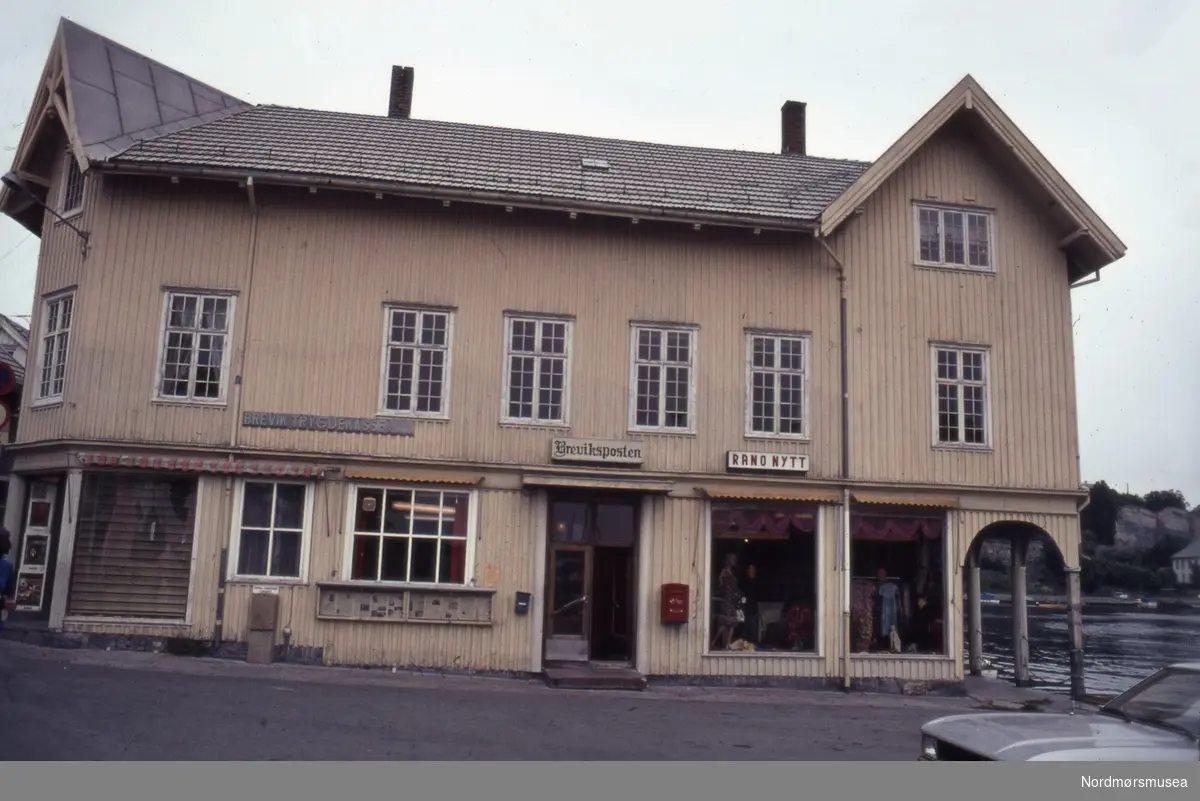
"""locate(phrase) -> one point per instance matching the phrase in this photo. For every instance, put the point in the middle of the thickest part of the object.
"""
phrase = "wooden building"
(461, 397)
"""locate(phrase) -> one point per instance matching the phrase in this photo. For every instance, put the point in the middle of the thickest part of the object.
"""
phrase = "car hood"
(1028, 736)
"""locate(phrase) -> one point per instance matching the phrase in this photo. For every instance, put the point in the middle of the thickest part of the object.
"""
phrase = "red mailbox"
(674, 603)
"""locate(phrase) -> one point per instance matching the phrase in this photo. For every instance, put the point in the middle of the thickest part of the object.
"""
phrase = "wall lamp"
(17, 184)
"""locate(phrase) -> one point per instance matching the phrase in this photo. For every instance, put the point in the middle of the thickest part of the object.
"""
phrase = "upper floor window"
(776, 384)
(194, 351)
(271, 527)
(58, 312)
(537, 369)
(663, 378)
(961, 414)
(416, 368)
(410, 534)
(73, 184)
(953, 237)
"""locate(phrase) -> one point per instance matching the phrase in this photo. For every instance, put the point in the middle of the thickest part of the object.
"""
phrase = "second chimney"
(400, 100)
(793, 127)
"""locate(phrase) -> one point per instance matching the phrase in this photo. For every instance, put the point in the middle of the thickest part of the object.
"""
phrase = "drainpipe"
(234, 428)
(844, 540)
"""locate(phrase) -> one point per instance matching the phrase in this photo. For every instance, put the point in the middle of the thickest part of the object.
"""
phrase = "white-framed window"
(954, 237)
(961, 413)
(73, 184)
(411, 535)
(776, 384)
(662, 378)
(271, 529)
(194, 347)
(58, 313)
(537, 369)
(416, 362)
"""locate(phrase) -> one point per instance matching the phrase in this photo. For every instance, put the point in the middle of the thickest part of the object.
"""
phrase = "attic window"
(72, 187)
(600, 165)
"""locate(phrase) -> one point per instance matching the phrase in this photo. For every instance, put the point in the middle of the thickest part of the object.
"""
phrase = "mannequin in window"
(749, 593)
(887, 596)
(729, 602)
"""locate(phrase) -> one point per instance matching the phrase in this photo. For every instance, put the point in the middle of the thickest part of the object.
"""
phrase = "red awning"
(192, 465)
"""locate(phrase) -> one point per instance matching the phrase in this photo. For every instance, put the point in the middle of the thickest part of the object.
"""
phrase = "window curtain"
(738, 522)
(895, 529)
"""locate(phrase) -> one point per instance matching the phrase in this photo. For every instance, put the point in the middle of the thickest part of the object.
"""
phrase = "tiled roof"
(1190, 551)
(325, 144)
(22, 330)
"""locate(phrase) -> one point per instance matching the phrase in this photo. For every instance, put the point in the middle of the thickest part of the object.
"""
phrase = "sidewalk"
(981, 693)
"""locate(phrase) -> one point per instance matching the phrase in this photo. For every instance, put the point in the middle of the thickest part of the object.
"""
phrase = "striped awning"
(761, 492)
(410, 476)
(899, 499)
(236, 467)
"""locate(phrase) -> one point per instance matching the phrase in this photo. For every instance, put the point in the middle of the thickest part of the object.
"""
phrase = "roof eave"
(517, 200)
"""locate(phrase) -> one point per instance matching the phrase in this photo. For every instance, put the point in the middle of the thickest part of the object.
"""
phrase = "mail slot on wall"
(674, 603)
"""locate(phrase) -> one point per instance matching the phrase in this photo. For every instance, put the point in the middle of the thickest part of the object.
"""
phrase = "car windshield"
(1170, 699)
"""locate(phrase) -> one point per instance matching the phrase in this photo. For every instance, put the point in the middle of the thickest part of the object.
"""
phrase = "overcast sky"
(1104, 88)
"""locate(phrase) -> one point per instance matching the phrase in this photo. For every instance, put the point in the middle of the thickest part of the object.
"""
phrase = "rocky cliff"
(1140, 531)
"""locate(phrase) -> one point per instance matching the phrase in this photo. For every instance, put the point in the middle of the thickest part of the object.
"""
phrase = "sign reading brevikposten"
(596, 451)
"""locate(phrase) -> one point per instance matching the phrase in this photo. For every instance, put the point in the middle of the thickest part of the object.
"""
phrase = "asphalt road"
(93, 705)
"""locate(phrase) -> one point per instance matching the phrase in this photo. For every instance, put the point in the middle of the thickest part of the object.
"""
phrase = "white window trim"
(52, 399)
(222, 399)
(69, 159)
(966, 211)
(447, 371)
(693, 360)
(806, 339)
(505, 418)
(352, 490)
(708, 590)
(235, 536)
(986, 445)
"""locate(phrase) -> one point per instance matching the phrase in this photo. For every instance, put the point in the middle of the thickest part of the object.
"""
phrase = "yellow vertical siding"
(505, 540)
(1022, 313)
(680, 553)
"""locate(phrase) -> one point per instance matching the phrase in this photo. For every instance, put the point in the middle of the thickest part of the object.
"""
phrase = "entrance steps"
(591, 676)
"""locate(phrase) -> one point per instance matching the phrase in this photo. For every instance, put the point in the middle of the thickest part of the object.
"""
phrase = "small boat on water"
(1051, 606)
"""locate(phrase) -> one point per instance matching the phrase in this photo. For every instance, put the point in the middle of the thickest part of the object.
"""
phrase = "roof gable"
(1089, 243)
(102, 97)
(117, 97)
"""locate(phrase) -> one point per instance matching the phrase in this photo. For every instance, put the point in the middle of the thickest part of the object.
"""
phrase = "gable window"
(270, 529)
(73, 185)
(536, 369)
(777, 384)
(417, 362)
(663, 378)
(410, 534)
(58, 313)
(194, 347)
(961, 414)
(949, 237)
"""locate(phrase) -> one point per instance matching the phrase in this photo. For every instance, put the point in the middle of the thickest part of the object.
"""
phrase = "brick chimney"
(793, 127)
(400, 101)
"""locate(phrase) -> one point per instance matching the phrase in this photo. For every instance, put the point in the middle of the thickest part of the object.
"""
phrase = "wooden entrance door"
(589, 578)
(568, 629)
